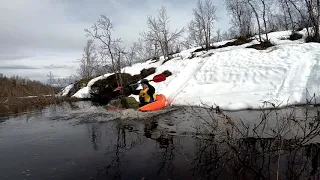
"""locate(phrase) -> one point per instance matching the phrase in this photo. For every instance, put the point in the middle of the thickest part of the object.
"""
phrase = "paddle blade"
(117, 89)
(159, 78)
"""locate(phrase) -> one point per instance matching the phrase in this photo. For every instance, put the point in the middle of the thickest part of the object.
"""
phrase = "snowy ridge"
(236, 77)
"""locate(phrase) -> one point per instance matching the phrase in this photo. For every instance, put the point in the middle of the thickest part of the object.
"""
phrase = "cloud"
(17, 67)
(55, 66)
(55, 28)
(6, 57)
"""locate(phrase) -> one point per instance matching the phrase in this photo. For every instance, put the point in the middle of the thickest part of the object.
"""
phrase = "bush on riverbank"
(19, 87)
(16, 105)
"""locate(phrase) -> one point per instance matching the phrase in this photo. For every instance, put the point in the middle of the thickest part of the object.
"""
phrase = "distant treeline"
(16, 86)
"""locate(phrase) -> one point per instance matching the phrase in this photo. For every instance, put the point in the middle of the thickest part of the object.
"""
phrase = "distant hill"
(19, 87)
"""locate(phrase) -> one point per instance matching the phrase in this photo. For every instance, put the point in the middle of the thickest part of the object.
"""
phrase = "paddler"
(147, 94)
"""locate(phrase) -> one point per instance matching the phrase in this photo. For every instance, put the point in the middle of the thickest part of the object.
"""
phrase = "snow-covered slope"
(237, 77)
(66, 90)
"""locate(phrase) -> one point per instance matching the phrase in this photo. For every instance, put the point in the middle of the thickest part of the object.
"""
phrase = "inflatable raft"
(157, 105)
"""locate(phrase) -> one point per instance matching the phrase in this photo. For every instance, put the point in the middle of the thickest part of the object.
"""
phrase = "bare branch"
(159, 33)
(200, 28)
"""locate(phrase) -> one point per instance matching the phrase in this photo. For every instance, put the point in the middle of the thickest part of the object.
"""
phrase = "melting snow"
(236, 77)
(66, 90)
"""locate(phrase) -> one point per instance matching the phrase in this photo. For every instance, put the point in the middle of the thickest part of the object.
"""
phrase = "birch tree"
(202, 24)
(89, 60)
(159, 33)
(241, 16)
(313, 7)
(260, 9)
(102, 31)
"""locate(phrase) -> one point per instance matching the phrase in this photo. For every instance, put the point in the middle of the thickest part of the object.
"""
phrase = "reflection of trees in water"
(168, 146)
(255, 158)
(165, 154)
(95, 136)
(228, 151)
(274, 146)
(126, 140)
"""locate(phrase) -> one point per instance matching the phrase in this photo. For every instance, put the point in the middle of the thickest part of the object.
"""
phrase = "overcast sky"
(39, 36)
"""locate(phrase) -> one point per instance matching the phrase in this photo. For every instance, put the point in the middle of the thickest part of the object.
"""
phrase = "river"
(81, 141)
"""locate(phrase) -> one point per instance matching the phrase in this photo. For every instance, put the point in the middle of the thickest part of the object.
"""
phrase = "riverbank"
(17, 105)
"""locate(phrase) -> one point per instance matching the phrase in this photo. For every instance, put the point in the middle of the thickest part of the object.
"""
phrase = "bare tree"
(303, 20)
(287, 10)
(89, 61)
(195, 34)
(102, 30)
(291, 14)
(150, 48)
(131, 56)
(159, 33)
(313, 7)
(143, 50)
(202, 24)
(259, 8)
(51, 79)
(264, 15)
(241, 16)
(225, 36)
(218, 38)
(276, 22)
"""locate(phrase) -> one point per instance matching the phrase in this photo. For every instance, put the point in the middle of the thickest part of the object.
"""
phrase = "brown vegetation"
(261, 46)
(17, 105)
(19, 87)
(239, 41)
(14, 94)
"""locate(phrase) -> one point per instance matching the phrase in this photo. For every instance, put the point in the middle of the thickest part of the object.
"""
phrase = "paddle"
(157, 78)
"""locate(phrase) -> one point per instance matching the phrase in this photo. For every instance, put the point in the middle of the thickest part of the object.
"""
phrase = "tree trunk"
(264, 19)
(257, 17)
(317, 21)
(290, 16)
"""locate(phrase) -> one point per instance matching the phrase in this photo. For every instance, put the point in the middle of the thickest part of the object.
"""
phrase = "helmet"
(144, 81)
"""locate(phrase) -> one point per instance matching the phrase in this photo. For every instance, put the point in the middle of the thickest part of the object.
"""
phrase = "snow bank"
(236, 77)
(66, 90)
(83, 93)
(92, 81)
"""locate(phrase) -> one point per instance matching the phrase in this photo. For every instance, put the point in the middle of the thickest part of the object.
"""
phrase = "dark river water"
(80, 141)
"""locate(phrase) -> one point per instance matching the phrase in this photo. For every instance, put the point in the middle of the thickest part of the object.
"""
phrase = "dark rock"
(262, 46)
(103, 90)
(295, 36)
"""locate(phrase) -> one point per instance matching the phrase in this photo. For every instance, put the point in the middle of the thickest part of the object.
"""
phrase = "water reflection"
(121, 140)
(121, 149)
(255, 158)
(95, 136)
(21, 109)
(245, 158)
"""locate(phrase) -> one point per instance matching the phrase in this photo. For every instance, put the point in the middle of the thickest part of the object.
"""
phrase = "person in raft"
(147, 94)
